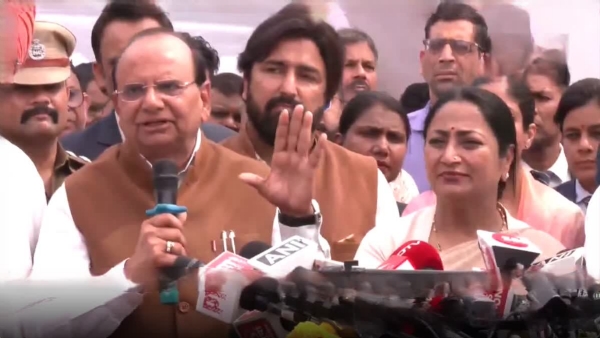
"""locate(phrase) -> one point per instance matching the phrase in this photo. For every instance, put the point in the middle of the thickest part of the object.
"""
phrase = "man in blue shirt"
(456, 43)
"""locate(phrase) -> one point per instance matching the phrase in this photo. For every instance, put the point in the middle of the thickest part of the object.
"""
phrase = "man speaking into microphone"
(96, 223)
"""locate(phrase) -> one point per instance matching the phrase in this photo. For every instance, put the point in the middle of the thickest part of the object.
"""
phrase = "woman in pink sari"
(526, 198)
(470, 143)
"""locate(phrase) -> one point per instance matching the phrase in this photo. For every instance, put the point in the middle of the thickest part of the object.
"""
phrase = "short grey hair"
(351, 36)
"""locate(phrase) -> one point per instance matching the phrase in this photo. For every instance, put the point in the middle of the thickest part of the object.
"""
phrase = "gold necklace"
(500, 210)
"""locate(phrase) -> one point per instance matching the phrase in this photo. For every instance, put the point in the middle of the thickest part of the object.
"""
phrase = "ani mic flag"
(17, 18)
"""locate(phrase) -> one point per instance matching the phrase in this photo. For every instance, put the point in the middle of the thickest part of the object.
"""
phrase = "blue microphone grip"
(169, 294)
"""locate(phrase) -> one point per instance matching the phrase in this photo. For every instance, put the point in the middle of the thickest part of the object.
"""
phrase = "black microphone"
(265, 295)
(253, 249)
(259, 294)
(166, 184)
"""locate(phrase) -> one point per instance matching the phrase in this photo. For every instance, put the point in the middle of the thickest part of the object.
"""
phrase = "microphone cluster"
(408, 295)
(518, 298)
(364, 311)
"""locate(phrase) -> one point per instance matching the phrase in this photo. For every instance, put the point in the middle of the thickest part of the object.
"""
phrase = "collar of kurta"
(192, 156)
(140, 169)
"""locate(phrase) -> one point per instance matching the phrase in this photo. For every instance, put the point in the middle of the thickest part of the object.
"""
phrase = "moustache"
(359, 82)
(274, 102)
(39, 110)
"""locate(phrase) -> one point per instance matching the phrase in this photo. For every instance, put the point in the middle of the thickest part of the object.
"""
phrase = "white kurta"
(22, 204)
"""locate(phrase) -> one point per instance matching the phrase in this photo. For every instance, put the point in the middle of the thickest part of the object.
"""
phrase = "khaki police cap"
(47, 59)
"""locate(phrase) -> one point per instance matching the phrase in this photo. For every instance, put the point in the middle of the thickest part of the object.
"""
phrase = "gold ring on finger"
(170, 246)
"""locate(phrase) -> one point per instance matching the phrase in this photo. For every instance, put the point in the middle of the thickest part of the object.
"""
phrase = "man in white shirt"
(578, 116)
(547, 77)
(96, 223)
(22, 203)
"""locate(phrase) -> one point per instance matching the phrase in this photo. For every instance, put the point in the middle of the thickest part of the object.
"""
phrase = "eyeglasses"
(136, 91)
(75, 98)
(459, 47)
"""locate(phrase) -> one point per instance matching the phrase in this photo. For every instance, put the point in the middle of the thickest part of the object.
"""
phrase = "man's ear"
(205, 97)
(491, 67)
(114, 98)
(99, 78)
(338, 139)
(245, 89)
(421, 56)
(87, 101)
(510, 157)
(531, 132)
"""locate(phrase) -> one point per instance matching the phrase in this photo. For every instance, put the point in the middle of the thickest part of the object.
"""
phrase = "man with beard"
(359, 74)
(96, 223)
(456, 46)
(35, 106)
(292, 62)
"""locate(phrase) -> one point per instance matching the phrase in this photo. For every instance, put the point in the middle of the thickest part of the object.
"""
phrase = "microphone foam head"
(253, 248)
(421, 255)
(299, 275)
(165, 172)
(164, 167)
(259, 294)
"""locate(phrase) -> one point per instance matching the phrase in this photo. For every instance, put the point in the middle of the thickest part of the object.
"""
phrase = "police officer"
(35, 106)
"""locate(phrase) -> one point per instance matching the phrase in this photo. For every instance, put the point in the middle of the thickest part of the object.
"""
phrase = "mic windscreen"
(164, 171)
(259, 294)
(166, 181)
(253, 249)
(164, 168)
(422, 255)
(302, 277)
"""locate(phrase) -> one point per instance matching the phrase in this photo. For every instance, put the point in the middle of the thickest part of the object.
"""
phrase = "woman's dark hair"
(364, 101)
(495, 112)
(553, 65)
(576, 96)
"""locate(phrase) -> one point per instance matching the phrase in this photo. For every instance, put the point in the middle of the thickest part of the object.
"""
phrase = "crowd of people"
(302, 143)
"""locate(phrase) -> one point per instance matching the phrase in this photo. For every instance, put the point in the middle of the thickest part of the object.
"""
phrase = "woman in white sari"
(470, 141)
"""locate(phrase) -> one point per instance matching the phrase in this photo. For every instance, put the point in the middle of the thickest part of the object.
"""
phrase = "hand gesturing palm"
(290, 182)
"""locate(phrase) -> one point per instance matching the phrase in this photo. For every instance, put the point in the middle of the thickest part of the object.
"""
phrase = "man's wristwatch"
(291, 221)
